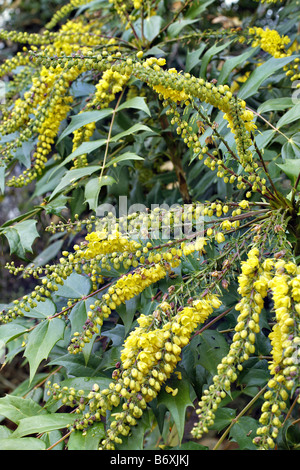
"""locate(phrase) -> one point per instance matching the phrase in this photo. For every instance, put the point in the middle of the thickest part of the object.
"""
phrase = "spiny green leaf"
(84, 118)
(21, 237)
(291, 149)
(177, 404)
(56, 205)
(41, 340)
(244, 431)
(78, 317)
(152, 26)
(212, 52)
(275, 104)
(175, 28)
(211, 347)
(17, 408)
(93, 187)
(2, 178)
(232, 63)
(88, 441)
(290, 116)
(73, 175)
(291, 168)
(260, 74)
(43, 423)
(10, 331)
(135, 441)
(193, 57)
(75, 286)
(137, 102)
(126, 312)
(28, 443)
(84, 148)
(127, 156)
(42, 310)
(135, 128)
(47, 254)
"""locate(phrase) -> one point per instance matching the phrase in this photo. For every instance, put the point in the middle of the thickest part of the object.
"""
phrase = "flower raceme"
(153, 348)
(129, 285)
(242, 346)
(270, 41)
(61, 68)
(110, 84)
(125, 288)
(149, 356)
(182, 88)
(285, 341)
(64, 11)
(104, 243)
(256, 279)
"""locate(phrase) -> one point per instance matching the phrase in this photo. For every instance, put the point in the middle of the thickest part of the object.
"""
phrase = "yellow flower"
(244, 204)
(169, 93)
(100, 242)
(276, 342)
(219, 237)
(270, 41)
(171, 390)
(226, 225)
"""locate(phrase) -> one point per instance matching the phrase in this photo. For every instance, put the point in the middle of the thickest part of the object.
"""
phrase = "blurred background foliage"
(28, 15)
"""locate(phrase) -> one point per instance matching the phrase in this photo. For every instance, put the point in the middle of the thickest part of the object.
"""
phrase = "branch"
(235, 420)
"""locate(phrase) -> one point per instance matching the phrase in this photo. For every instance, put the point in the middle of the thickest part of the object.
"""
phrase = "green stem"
(173, 19)
(265, 167)
(109, 133)
(268, 122)
(235, 420)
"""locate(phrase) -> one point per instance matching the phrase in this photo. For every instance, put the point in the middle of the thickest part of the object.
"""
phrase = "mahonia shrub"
(159, 144)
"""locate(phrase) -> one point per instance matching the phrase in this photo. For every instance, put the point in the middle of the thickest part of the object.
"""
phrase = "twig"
(109, 133)
(235, 420)
(268, 122)
(174, 18)
(42, 381)
(60, 440)
(208, 325)
(264, 165)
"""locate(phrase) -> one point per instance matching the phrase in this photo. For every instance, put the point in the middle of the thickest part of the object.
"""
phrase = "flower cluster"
(185, 90)
(150, 354)
(270, 41)
(125, 288)
(177, 87)
(111, 83)
(285, 341)
(103, 243)
(270, 1)
(253, 283)
(64, 11)
(46, 104)
(257, 277)
(64, 59)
